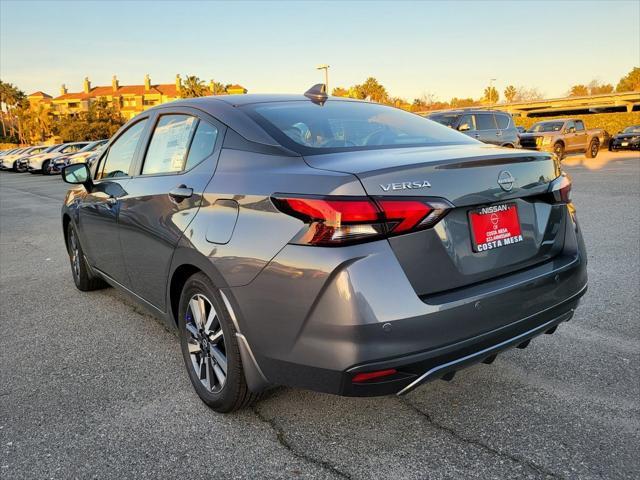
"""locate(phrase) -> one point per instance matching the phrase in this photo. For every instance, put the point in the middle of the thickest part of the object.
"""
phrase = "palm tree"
(193, 87)
(510, 93)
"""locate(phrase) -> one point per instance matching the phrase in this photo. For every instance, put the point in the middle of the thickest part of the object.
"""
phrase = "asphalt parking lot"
(91, 386)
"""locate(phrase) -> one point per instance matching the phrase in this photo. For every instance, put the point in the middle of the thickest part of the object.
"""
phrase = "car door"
(581, 136)
(165, 194)
(570, 141)
(487, 128)
(99, 209)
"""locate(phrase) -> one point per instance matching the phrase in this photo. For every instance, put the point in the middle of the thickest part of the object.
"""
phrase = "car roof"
(460, 111)
(225, 109)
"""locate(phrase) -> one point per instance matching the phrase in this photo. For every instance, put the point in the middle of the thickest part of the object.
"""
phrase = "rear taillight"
(560, 189)
(333, 221)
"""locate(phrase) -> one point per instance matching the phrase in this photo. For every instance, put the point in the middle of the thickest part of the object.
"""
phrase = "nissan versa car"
(325, 243)
(11, 162)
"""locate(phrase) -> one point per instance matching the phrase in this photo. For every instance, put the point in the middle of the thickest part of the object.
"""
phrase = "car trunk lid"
(470, 178)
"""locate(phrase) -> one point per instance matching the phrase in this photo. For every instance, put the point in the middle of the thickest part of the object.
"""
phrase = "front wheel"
(82, 276)
(594, 148)
(210, 348)
(45, 168)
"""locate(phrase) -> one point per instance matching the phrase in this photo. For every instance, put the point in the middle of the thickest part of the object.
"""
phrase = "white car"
(7, 161)
(80, 156)
(40, 163)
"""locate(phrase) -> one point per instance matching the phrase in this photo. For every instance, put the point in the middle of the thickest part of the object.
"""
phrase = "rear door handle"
(180, 192)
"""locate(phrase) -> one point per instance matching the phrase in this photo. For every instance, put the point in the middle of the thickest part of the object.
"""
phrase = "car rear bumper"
(315, 319)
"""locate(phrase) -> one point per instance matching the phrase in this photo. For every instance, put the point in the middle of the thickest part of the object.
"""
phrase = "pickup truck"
(562, 136)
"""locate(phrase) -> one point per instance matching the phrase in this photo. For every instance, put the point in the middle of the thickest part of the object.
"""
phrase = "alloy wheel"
(205, 341)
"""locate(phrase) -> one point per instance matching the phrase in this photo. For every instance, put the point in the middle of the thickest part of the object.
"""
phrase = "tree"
(12, 98)
(340, 92)
(373, 90)
(218, 88)
(510, 93)
(524, 94)
(101, 120)
(630, 82)
(462, 102)
(193, 87)
(579, 91)
(597, 88)
(491, 95)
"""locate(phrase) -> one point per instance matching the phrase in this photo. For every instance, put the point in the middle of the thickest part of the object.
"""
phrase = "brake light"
(332, 221)
(560, 189)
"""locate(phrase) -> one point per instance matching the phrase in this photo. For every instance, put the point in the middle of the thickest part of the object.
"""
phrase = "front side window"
(169, 144)
(446, 119)
(119, 157)
(485, 121)
(570, 127)
(310, 128)
(467, 123)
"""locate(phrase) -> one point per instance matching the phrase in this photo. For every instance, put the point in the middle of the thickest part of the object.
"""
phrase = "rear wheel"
(210, 348)
(82, 276)
(558, 149)
(593, 149)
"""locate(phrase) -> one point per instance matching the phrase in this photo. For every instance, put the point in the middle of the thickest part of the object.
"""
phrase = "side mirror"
(78, 174)
(465, 127)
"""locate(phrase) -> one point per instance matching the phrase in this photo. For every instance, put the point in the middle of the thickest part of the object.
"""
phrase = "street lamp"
(325, 67)
(491, 80)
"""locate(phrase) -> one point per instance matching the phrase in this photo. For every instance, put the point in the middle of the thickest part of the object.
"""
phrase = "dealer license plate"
(494, 227)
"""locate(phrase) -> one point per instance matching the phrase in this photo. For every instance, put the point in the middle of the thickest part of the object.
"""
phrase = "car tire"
(205, 326)
(592, 151)
(15, 166)
(45, 168)
(558, 149)
(82, 277)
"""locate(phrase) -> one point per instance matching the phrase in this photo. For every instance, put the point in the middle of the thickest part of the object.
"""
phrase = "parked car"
(40, 163)
(21, 162)
(81, 156)
(7, 152)
(8, 159)
(488, 126)
(10, 162)
(627, 139)
(325, 243)
(563, 136)
(521, 130)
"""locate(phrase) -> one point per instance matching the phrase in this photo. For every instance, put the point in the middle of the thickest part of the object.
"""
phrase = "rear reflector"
(333, 221)
(363, 377)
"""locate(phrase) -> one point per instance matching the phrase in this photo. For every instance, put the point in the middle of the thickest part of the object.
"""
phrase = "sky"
(445, 49)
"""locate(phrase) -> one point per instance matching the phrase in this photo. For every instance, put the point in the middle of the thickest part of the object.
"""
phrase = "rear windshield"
(336, 126)
(547, 127)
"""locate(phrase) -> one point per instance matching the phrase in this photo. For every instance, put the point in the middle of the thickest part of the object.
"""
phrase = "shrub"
(611, 122)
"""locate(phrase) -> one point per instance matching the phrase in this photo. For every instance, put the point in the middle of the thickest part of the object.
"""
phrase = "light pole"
(491, 80)
(325, 67)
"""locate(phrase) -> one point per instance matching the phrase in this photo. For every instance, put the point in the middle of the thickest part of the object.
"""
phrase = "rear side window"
(579, 126)
(503, 121)
(202, 145)
(120, 155)
(485, 121)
